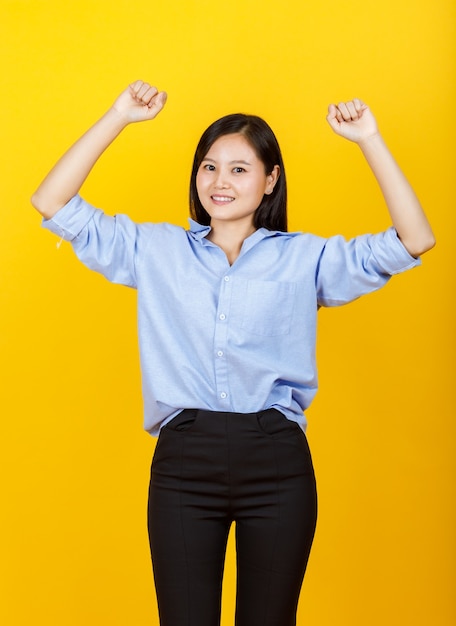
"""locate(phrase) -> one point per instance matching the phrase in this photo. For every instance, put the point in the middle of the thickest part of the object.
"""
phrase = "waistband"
(270, 421)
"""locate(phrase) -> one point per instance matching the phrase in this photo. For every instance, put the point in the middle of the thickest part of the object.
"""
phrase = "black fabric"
(209, 470)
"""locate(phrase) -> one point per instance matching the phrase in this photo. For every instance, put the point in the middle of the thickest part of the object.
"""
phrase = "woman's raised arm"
(354, 121)
(139, 102)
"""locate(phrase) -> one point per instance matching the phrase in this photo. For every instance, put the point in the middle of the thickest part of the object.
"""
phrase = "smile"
(221, 199)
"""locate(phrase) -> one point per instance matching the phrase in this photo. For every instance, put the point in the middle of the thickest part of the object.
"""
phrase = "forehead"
(232, 146)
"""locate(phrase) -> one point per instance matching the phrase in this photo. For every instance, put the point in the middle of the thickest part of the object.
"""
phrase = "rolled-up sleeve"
(350, 269)
(71, 219)
(103, 243)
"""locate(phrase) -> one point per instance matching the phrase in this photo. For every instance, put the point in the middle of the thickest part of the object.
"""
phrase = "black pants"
(210, 469)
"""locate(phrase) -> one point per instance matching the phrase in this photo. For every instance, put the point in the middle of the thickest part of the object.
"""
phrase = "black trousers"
(210, 469)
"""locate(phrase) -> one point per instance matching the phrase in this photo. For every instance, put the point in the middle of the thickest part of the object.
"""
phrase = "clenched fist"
(140, 102)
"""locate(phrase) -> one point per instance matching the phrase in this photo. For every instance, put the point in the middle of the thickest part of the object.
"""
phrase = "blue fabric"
(227, 338)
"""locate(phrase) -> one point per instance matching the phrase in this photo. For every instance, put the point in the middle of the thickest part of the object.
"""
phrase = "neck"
(230, 237)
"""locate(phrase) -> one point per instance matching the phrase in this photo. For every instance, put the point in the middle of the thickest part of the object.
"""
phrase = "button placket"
(220, 342)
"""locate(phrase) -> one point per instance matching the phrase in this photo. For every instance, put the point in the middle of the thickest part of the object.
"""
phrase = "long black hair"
(272, 212)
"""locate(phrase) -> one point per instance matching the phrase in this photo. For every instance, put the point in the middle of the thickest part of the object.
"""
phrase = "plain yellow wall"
(74, 460)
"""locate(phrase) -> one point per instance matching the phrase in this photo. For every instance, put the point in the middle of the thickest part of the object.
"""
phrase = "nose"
(220, 180)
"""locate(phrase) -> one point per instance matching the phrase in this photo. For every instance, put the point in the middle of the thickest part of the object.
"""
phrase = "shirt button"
(220, 353)
(226, 279)
(222, 316)
(223, 395)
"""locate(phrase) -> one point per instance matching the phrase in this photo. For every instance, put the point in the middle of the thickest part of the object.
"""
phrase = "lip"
(221, 200)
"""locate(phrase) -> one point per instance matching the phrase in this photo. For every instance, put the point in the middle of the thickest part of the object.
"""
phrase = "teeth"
(222, 198)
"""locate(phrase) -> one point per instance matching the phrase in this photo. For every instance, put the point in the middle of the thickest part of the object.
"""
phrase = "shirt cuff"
(68, 222)
(391, 254)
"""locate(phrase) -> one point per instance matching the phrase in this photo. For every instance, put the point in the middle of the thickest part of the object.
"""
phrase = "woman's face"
(231, 180)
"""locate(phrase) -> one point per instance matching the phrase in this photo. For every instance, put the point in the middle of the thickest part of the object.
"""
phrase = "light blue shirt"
(227, 337)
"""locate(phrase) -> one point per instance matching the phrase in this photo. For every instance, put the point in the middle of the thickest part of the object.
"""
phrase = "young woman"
(227, 316)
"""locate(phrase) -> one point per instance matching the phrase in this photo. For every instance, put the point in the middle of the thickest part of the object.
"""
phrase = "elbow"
(38, 204)
(418, 248)
(430, 244)
(43, 207)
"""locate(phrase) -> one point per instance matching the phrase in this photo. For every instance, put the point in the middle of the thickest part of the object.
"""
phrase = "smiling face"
(231, 181)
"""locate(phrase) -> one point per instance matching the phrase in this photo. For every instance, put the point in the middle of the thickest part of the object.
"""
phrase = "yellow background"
(74, 460)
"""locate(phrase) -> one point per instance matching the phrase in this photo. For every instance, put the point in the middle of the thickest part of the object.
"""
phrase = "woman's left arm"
(354, 121)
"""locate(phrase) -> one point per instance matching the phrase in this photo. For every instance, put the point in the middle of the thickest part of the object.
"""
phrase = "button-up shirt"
(224, 337)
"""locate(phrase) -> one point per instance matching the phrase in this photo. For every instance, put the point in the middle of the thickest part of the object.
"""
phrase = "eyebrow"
(231, 162)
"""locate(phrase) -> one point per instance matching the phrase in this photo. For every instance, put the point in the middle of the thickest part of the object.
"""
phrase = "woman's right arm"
(139, 102)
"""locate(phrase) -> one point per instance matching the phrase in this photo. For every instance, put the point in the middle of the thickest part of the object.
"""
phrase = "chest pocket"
(268, 307)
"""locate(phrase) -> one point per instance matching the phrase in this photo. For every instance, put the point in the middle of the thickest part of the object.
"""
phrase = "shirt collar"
(199, 231)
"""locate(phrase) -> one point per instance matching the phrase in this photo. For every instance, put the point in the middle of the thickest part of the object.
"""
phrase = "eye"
(238, 170)
(209, 167)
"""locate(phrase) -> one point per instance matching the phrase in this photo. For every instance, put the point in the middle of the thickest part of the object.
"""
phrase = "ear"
(271, 180)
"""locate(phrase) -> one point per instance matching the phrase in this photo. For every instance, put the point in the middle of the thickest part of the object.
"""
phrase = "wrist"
(371, 142)
(117, 119)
